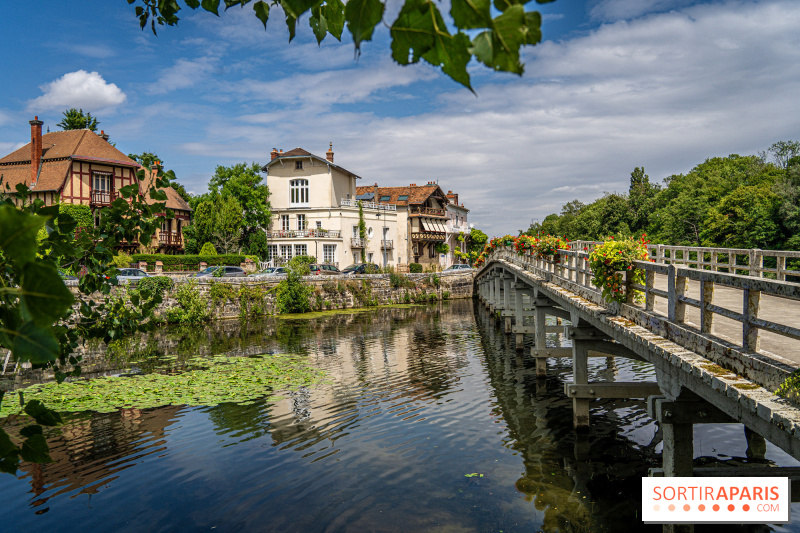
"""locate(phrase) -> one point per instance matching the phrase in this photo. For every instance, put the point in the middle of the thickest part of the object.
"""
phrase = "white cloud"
(183, 74)
(609, 10)
(97, 51)
(85, 90)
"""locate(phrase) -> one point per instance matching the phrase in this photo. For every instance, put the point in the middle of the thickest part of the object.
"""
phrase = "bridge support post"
(756, 444)
(519, 318)
(541, 341)
(507, 310)
(580, 376)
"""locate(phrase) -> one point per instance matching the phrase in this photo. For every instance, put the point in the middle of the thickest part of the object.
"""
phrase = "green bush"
(192, 306)
(208, 249)
(445, 295)
(415, 268)
(154, 285)
(220, 292)
(292, 294)
(251, 301)
(174, 263)
(122, 260)
(82, 214)
(399, 280)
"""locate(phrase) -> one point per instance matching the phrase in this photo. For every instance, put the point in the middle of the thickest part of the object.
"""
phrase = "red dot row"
(702, 507)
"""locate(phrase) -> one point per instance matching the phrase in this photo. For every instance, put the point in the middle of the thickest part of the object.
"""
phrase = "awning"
(429, 224)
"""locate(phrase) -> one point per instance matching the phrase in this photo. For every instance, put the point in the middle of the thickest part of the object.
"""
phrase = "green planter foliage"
(208, 249)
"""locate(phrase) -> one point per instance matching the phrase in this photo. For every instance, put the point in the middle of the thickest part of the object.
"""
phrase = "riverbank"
(227, 298)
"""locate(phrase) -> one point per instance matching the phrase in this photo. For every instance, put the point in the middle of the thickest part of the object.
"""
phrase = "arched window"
(298, 193)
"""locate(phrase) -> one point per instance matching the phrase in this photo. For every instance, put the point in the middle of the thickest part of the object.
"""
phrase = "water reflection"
(429, 421)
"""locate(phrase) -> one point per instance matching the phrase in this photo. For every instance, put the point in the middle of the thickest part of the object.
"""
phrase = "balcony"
(387, 244)
(431, 236)
(305, 234)
(355, 242)
(426, 211)
(170, 238)
(103, 197)
(456, 228)
(367, 205)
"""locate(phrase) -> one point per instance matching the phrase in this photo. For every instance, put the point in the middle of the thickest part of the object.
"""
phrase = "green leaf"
(262, 12)
(45, 298)
(30, 431)
(333, 11)
(318, 23)
(452, 54)
(471, 14)
(18, 235)
(211, 5)
(35, 344)
(361, 17)
(533, 20)
(194, 4)
(499, 48)
(7, 448)
(42, 415)
(35, 450)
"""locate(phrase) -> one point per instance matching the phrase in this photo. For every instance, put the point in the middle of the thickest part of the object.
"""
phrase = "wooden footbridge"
(721, 334)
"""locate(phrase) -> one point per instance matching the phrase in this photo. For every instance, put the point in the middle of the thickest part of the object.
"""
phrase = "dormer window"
(298, 165)
(298, 190)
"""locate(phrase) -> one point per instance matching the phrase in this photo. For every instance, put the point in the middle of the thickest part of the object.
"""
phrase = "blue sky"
(616, 84)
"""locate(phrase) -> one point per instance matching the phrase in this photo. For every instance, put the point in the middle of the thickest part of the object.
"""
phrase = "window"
(431, 250)
(369, 257)
(301, 222)
(102, 182)
(299, 193)
(329, 253)
(370, 232)
(402, 198)
(272, 252)
(385, 233)
(286, 251)
(284, 222)
(355, 232)
(385, 198)
(298, 165)
(319, 224)
(300, 249)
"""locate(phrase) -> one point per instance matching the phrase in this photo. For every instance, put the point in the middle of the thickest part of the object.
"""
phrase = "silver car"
(131, 275)
(269, 272)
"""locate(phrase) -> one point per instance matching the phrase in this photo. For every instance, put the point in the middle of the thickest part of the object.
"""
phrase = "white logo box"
(716, 500)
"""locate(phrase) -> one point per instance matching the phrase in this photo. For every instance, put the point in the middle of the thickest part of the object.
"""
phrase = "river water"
(429, 422)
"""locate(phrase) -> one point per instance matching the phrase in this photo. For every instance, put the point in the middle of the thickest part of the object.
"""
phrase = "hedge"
(414, 268)
(189, 262)
(81, 213)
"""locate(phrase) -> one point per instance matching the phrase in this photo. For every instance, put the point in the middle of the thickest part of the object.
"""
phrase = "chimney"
(36, 148)
(104, 135)
(329, 155)
(273, 154)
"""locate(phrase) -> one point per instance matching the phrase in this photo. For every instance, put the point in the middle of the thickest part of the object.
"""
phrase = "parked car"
(458, 267)
(131, 275)
(269, 272)
(328, 270)
(362, 268)
(227, 272)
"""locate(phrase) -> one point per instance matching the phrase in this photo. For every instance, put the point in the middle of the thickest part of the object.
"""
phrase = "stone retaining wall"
(329, 292)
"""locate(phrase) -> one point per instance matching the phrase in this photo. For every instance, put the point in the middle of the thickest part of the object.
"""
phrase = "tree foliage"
(41, 320)
(75, 119)
(146, 159)
(491, 32)
(735, 201)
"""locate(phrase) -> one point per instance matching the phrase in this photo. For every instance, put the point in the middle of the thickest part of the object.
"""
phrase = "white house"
(315, 212)
(456, 227)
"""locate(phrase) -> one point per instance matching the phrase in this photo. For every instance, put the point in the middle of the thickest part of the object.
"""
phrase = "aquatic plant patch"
(214, 380)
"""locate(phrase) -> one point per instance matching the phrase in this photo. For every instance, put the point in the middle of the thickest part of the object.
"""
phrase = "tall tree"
(420, 30)
(641, 197)
(783, 151)
(228, 222)
(244, 183)
(75, 119)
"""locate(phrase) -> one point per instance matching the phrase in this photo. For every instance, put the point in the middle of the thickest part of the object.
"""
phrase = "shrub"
(82, 214)
(612, 257)
(122, 260)
(192, 306)
(548, 246)
(220, 292)
(399, 280)
(415, 268)
(208, 249)
(407, 298)
(292, 294)
(442, 248)
(188, 262)
(445, 295)
(433, 280)
(154, 285)
(251, 301)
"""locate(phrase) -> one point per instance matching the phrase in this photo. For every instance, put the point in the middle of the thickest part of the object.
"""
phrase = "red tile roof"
(59, 148)
(174, 200)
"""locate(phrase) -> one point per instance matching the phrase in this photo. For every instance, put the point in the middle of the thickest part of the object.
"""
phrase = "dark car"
(227, 272)
(328, 270)
(362, 268)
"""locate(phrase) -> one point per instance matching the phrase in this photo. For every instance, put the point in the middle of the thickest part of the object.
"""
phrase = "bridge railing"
(573, 266)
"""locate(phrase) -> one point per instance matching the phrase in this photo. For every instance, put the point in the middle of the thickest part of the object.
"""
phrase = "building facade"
(82, 167)
(315, 212)
(457, 229)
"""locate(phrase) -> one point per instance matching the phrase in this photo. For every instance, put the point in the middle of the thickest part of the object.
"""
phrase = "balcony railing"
(103, 197)
(426, 211)
(428, 236)
(170, 238)
(306, 234)
(367, 205)
(387, 244)
(355, 242)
